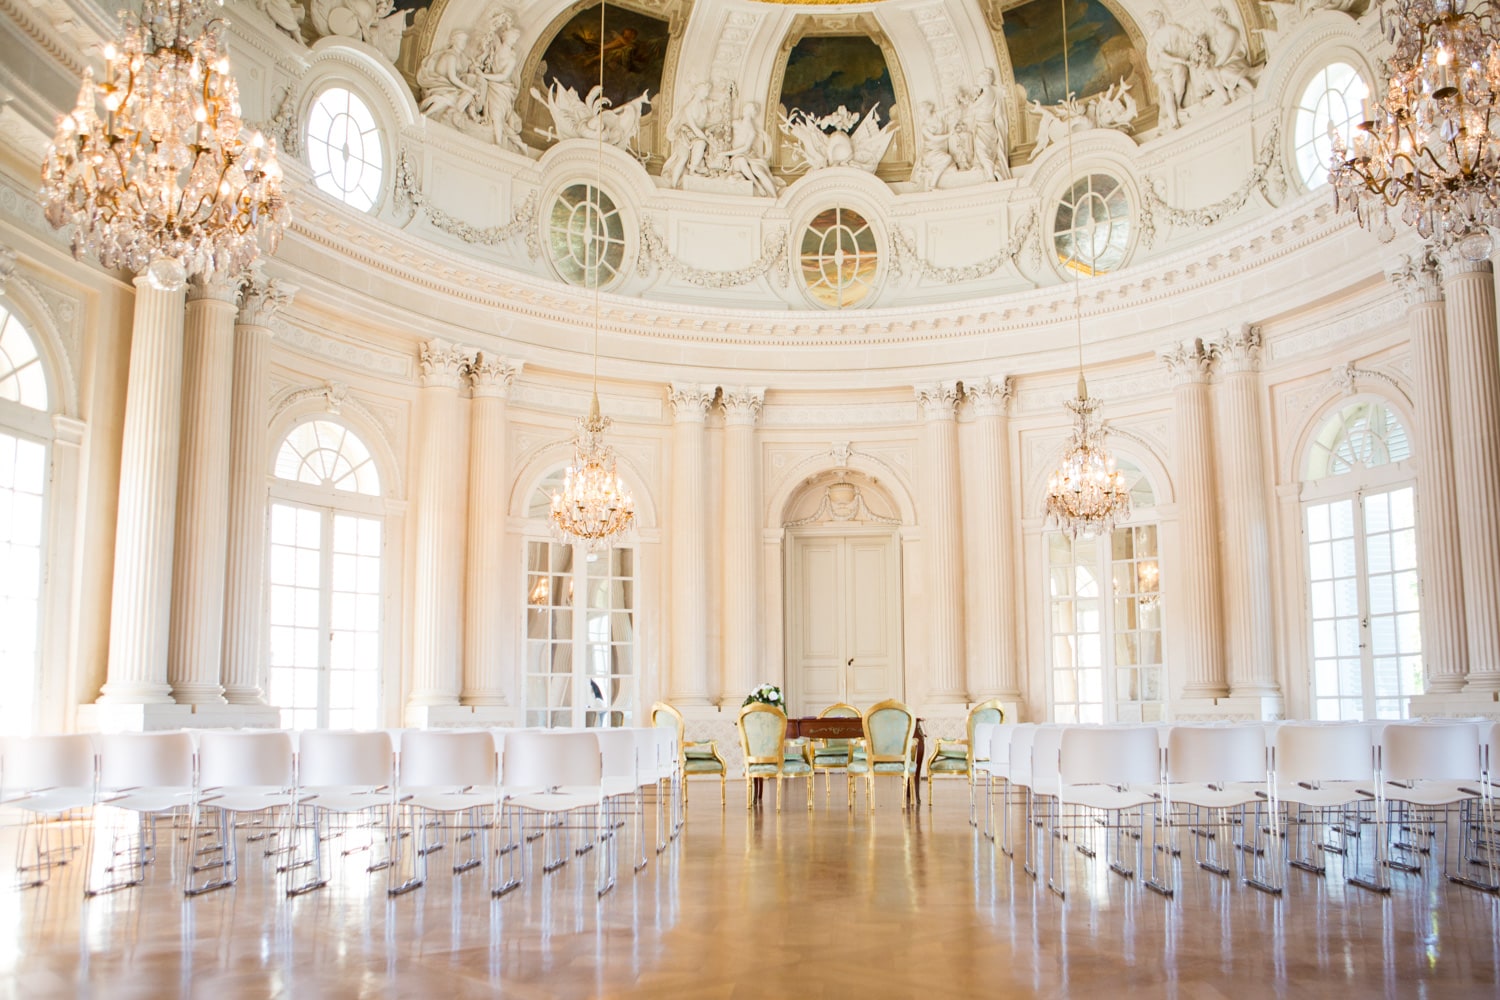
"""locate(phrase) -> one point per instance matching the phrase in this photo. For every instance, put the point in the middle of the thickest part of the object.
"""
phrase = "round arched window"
(839, 258)
(343, 148)
(1091, 231)
(324, 453)
(1333, 96)
(1364, 434)
(587, 236)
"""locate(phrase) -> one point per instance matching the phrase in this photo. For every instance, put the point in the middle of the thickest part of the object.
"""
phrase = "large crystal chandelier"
(1086, 495)
(593, 508)
(152, 168)
(1430, 146)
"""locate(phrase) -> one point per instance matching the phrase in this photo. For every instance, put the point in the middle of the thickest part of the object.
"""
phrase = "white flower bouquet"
(768, 694)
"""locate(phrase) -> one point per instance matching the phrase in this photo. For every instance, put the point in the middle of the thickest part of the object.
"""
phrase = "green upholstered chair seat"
(789, 768)
(881, 767)
(949, 765)
(830, 758)
(700, 751)
(794, 749)
(954, 750)
(699, 765)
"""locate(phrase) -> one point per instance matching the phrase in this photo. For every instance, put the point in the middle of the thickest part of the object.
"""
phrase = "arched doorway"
(843, 594)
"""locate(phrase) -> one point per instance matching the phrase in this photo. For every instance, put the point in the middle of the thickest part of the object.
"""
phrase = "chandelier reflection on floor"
(1429, 147)
(165, 181)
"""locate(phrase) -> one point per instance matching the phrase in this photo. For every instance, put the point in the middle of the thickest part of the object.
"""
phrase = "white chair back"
(145, 760)
(645, 754)
(1217, 754)
(1313, 752)
(331, 759)
(546, 760)
(1021, 744)
(1430, 751)
(248, 759)
(448, 759)
(1108, 755)
(34, 762)
(999, 749)
(1044, 752)
(617, 747)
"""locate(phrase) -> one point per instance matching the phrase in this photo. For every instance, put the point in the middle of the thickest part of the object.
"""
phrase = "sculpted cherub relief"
(469, 82)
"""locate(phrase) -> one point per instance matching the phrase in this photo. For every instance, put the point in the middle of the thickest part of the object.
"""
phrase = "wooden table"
(834, 727)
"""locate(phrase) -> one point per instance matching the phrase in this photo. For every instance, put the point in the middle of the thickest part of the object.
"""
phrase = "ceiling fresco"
(1099, 50)
(824, 72)
(635, 51)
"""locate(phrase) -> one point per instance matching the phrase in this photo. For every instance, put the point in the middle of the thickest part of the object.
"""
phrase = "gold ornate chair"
(699, 757)
(763, 738)
(955, 758)
(889, 748)
(833, 754)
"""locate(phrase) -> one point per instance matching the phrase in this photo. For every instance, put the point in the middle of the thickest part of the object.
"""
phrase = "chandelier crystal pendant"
(593, 508)
(152, 168)
(1086, 494)
(1430, 147)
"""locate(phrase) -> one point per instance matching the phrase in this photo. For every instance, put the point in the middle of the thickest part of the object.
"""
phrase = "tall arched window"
(1104, 618)
(326, 542)
(580, 656)
(1334, 96)
(25, 436)
(1359, 522)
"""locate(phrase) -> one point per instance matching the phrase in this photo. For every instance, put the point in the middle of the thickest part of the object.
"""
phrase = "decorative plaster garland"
(907, 255)
(1266, 177)
(408, 191)
(654, 253)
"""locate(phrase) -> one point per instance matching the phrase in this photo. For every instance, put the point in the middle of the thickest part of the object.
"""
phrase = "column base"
(460, 716)
(135, 694)
(1458, 704)
(253, 697)
(207, 694)
(1242, 708)
(1483, 682)
(117, 717)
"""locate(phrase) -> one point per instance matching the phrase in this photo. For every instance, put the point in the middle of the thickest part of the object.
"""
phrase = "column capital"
(990, 396)
(690, 401)
(1238, 350)
(1452, 263)
(443, 363)
(1188, 362)
(261, 298)
(742, 405)
(938, 399)
(492, 377)
(1419, 277)
(7, 265)
(215, 286)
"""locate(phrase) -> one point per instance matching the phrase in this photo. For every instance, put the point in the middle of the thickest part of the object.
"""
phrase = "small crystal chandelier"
(1430, 146)
(1086, 494)
(593, 508)
(165, 181)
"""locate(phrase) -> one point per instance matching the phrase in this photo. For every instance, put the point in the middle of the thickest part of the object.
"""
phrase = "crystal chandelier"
(1086, 495)
(593, 508)
(1429, 148)
(151, 168)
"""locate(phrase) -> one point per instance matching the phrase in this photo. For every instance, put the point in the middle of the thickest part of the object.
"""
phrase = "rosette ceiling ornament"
(1086, 494)
(593, 508)
(1429, 149)
(152, 169)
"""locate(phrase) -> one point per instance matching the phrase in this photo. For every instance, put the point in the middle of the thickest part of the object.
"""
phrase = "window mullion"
(581, 649)
(325, 613)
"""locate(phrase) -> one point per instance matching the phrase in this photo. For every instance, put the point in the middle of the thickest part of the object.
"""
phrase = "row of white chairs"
(1254, 797)
(400, 795)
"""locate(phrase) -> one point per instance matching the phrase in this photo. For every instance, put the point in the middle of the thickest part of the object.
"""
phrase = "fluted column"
(195, 642)
(689, 528)
(1474, 371)
(489, 632)
(439, 512)
(1249, 637)
(992, 667)
(140, 600)
(942, 537)
(1196, 612)
(245, 569)
(742, 542)
(1445, 653)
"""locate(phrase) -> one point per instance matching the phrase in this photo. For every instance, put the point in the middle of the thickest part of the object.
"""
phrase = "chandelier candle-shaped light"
(1086, 494)
(152, 168)
(593, 507)
(1430, 147)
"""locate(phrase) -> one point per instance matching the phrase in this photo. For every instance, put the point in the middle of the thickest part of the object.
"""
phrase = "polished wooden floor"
(799, 904)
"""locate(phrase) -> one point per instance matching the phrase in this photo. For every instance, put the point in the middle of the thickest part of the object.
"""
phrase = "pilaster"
(741, 657)
(689, 530)
(489, 631)
(943, 539)
(990, 534)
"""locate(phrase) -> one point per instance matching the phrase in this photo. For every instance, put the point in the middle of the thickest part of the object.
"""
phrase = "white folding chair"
(51, 779)
(1042, 799)
(348, 777)
(552, 774)
(150, 775)
(669, 777)
(448, 782)
(1426, 770)
(1018, 777)
(1327, 772)
(1479, 845)
(1104, 771)
(238, 773)
(984, 734)
(1217, 772)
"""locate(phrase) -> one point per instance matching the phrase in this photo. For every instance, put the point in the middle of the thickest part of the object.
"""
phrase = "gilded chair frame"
(848, 712)
(682, 750)
(967, 742)
(907, 757)
(778, 761)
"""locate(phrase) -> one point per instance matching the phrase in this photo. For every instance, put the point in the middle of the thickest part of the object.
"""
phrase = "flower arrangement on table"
(766, 694)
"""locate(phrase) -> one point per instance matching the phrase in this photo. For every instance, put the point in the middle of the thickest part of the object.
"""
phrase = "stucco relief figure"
(1230, 71)
(286, 15)
(1115, 108)
(473, 87)
(1056, 121)
(497, 66)
(591, 117)
(1170, 54)
(450, 85)
(689, 134)
(840, 139)
(750, 150)
(933, 158)
(375, 22)
(986, 116)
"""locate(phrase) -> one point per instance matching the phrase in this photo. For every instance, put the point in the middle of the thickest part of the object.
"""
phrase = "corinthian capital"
(938, 399)
(1238, 350)
(261, 298)
(1419, 277)
(742, 405)
(491, 376)
(990, 396)
(1189, 361)
(690, 402)
(443, 363)
(1452, 263)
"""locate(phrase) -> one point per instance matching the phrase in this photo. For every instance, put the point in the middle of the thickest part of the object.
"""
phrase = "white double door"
(843, 619)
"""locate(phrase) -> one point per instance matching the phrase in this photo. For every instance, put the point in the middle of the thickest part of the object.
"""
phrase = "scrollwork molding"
(409, 192)
(1266, 176)
(906, 256)
(655, 253)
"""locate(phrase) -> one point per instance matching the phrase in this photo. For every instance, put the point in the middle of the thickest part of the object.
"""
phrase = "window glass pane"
(343, 148)
(1332, 97)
